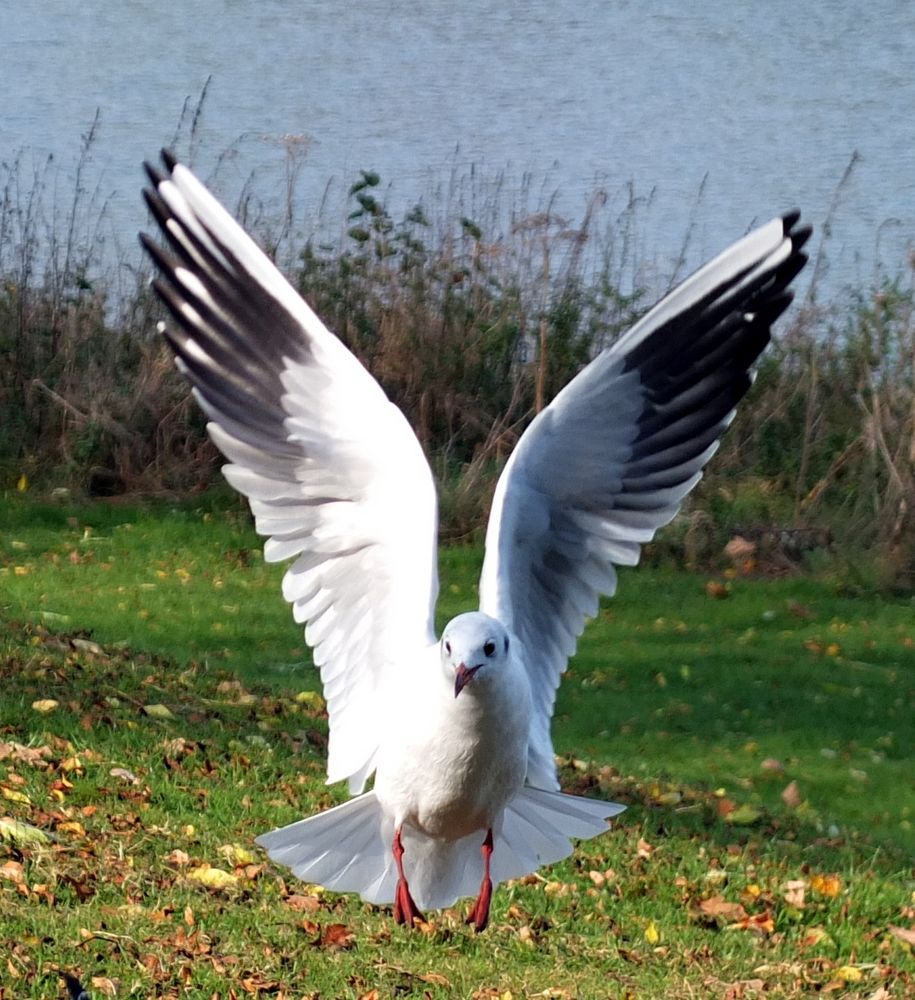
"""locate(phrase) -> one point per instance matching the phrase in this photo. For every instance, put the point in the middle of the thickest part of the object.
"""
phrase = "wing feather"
(609, 461)
(334, 476)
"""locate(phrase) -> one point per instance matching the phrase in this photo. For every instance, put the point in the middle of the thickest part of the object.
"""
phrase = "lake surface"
(719, 114)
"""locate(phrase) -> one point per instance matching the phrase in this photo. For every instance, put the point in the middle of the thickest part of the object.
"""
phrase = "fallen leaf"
(212, 878)
(901, 934)
(21, 834)
(236, 854)
(717, 908)
(310, 699)
(826, 885)
(816, 936)
(791, 795)
(125, 775)
(36, 756)
(303, 904)
(794, 893)
(336, 937)
(652, 935)
(14, 871)
(45, 705)
(850, 974)
(717, 590)
(158, 711)
(13, 796)
(743, 815)
(759, 923)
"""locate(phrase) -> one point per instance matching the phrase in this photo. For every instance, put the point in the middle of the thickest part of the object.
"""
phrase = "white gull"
(456, 730)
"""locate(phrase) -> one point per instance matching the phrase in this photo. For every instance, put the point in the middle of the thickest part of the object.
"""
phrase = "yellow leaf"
(72, 826)
(22, 484)
(310, 699)
(212, 878)
(14, 796)
(21, 834)
(826, 885)
(158, 712)
(744, 815)
(45, 705)
(652, 935)
(850, 973)
(21, 570)
(236, 854)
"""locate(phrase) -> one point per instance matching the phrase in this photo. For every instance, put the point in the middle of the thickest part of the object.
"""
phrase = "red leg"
(479, 915)
(405, 910)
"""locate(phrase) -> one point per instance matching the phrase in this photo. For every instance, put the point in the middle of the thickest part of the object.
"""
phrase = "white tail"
(348, 848)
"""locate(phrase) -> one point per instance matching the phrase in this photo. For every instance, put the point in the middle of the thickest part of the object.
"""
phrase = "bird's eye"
(448, 648)
(489, 648)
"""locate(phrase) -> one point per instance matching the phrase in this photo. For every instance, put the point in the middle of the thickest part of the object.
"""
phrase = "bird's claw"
(479, 915)
(405, 910)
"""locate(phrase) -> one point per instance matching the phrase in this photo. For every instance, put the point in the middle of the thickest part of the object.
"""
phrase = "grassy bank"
(472, 313)
(762, 741)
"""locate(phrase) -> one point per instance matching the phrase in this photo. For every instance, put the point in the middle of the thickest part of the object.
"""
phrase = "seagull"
(455, 730)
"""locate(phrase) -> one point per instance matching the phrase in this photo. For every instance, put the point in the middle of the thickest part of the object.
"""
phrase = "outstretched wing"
(609, 461)
(334, 475)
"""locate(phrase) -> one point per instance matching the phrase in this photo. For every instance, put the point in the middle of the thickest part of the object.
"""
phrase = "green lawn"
(764, 743)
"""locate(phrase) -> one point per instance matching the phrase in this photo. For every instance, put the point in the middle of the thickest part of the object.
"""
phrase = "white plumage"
(456, 731)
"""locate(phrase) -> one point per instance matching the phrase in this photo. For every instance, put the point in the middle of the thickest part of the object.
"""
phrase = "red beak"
(462, 677)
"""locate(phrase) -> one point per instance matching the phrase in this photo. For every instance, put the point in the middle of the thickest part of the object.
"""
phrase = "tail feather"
(537, 827)
(348, 848)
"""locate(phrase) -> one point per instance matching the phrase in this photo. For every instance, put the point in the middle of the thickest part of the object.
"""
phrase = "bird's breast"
(452, 768)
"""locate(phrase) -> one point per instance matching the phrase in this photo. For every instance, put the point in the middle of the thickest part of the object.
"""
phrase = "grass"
(763, 742)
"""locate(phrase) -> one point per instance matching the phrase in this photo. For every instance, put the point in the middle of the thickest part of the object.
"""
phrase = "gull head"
(473, 647)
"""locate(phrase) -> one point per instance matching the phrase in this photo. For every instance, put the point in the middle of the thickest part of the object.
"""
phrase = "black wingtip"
(789, 219)
(800, 236)
(169, 159)
(74, 987)
(155, 175)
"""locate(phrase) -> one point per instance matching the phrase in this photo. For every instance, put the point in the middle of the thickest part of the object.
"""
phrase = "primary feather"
(457, 732)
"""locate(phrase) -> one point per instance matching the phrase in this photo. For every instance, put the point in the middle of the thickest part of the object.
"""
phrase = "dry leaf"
(14, 796)
(237, 854)
(743, 815)
(45, 705)
(303, 904)
(21, 834)
(826, 885)
(158, 711)
(124, 775)
(816, 936)
(336, 937)
(212, 878)
(794, 893)
(901, 934)
(104, 986)
(652, 935)
(14, 871)
(719, 909)
(760, 923)
(791, 795)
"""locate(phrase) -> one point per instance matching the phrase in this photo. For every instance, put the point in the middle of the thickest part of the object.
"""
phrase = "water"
(759, 106)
